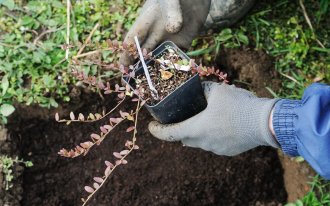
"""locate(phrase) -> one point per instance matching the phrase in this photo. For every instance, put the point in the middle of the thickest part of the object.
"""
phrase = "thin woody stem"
(130, 150)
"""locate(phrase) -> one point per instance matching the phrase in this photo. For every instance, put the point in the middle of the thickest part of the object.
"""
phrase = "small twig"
(35, 41)
(86, 121)
(87, 40)
(58, 63)
(130, 150)
(90, 53)
(301, 3)
(68, 5)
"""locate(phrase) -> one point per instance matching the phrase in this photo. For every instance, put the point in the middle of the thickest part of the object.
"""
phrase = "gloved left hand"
(175, 20)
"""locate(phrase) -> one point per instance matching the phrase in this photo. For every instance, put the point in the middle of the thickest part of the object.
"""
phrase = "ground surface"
(158, 174)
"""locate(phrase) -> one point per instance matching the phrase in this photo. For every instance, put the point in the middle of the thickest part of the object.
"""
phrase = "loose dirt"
(160, 173)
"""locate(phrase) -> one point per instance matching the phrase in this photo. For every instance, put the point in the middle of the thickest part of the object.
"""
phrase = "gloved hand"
(181, 21)
(234, 121)
(175, 20)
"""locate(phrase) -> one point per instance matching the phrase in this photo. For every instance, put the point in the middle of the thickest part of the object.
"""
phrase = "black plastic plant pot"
(184, 102)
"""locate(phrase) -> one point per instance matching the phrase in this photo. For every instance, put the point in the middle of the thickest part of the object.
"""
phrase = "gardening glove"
(181, 20)
(233, 122)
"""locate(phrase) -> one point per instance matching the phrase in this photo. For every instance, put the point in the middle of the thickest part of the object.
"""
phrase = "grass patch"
(32, 37)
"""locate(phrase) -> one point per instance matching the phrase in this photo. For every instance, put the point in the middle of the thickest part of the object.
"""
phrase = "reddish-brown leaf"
(130, 129)
(98, 179)
(95, 136)
(116, 120)
(107, 171)
(117, 155)
(118, 162)
(124, 152)
(80, 149)
(103, 129)
(96, 186)
(123, 114)
(108, 127)
(89, 189)
(109, 164)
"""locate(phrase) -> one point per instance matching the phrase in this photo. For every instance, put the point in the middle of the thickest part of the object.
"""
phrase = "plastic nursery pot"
(184, 102)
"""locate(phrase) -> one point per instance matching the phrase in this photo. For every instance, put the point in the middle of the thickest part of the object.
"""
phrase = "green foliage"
(283, 32)
(280, 29)
(227, 38)
(32, 65)
(6, 167)
(317, 196)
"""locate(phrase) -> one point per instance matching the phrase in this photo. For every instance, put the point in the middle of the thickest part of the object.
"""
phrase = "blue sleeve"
(302, 127)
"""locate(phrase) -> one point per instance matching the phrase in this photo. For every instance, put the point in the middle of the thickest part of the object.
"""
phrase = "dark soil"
(160, 173)
(253, 70)
(13, 196)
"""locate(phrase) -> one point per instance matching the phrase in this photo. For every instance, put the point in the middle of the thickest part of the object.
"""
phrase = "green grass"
(318, 195)
(32, 66)
(281, 30)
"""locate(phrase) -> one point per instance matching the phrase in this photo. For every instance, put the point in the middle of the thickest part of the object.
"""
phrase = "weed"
(317, 196)
(32, 66)
(6, 167)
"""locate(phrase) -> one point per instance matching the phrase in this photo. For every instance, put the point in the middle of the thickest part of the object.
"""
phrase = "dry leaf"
(81, 117)
(166, 75)
(91, 116)
(97, 116)
(72, 117)
(57, 117)
(130, 118)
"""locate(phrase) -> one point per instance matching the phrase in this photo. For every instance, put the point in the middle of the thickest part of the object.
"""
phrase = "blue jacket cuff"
(283, 123)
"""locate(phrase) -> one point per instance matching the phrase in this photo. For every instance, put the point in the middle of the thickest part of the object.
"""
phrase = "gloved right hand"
(175, 20)
(233, 122)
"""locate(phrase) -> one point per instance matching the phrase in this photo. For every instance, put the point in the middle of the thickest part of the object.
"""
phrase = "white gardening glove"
(234, 121)
(181, 21)
(175, 20)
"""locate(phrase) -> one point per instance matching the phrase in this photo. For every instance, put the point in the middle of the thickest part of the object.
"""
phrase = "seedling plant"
(168, 71)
